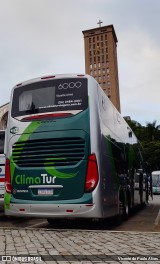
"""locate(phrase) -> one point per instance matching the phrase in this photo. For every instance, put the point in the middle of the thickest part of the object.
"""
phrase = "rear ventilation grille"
(49, 152)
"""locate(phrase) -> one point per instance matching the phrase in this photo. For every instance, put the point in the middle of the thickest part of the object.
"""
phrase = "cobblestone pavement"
(75, 246)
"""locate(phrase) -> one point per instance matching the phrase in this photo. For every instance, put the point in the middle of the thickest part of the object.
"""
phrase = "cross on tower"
(99, 23)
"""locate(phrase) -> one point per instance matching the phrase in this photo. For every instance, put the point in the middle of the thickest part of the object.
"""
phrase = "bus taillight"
(46, 116)
(8, 177)
(92, 174)
(48, 77)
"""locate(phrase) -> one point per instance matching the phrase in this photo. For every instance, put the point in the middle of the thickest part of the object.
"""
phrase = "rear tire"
(51, 221)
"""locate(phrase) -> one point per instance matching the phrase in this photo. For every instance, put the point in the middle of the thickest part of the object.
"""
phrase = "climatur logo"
(44, 179)
(14, 130)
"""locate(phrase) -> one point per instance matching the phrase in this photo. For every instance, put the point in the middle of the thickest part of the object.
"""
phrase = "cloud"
(138, 71)
(43, 37)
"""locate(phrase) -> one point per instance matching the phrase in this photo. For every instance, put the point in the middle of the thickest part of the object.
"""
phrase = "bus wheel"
(51, 221)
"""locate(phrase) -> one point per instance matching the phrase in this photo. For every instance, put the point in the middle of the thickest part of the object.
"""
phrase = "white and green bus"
(69, 153)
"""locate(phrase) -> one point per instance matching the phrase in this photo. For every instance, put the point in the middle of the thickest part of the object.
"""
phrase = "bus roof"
(155, 173)
(49, 77)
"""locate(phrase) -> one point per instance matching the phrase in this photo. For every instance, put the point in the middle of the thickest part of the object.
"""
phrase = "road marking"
(157, 218)
(37, 225)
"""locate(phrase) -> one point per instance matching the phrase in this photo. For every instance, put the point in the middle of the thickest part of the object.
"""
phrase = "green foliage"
(149, 136)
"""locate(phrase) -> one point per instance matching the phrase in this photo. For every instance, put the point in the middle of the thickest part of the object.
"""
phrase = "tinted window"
(156, 181)
(50, 96)
(2, 137)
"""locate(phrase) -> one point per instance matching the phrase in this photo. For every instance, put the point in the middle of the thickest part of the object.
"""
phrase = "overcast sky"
(42, 37)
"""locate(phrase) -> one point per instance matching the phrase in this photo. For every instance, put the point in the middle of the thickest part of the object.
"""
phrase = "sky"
(43, 37)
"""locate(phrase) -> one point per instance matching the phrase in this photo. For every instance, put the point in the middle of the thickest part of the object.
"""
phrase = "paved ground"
(147, 219)
(72, 246)
(63, 246)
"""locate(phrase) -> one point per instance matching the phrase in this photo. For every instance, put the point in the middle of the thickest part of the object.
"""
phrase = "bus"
(2, 166)
(69, 152)
(156, 182)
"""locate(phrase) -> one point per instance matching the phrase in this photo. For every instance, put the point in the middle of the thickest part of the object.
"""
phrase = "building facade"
(101, 60)
(3, 116)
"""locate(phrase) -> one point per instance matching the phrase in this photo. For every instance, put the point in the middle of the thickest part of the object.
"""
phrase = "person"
(150, 186)
(147, 188)
(141, 186)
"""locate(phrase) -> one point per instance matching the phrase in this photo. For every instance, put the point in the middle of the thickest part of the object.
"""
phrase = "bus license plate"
(45, 191)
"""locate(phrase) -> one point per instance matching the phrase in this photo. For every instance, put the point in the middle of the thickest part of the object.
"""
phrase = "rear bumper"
(54, 210)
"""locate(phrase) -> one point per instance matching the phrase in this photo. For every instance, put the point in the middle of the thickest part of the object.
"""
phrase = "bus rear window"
(50, 96)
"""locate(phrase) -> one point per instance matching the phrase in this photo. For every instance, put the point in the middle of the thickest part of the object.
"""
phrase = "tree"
(152, 153)
(152, 130)
(138, 129)
(149, 137)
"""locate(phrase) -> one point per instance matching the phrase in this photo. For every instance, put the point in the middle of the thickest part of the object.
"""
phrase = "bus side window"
(1, 143)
